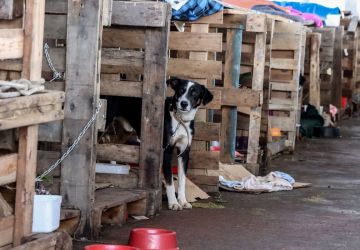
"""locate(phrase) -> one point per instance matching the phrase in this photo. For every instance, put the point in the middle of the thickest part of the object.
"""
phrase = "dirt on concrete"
(324, 216)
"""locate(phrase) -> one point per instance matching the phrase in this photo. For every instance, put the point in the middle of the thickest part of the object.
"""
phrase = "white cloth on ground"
(272, 182)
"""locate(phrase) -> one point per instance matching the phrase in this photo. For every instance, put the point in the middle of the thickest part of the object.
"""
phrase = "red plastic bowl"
(109, 247)
(153, 239)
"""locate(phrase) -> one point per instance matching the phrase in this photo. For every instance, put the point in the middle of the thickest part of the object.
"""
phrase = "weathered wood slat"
(10, 9)
(11, 65)
(55, 26)
(6, 230)
(122, 61)
(204, 160)
(207, 131)
(32, 118)
(216, 18)
(56, 6)
(284, 41)
(193, 41)
(153, 101)
(119, 153)
(121, 88)
(32, 101)
(194, 68)
(147, 14)
(284, 123)
(11, 43)
(8, 166)
(84, 26)
(120, 37)
(281, 63)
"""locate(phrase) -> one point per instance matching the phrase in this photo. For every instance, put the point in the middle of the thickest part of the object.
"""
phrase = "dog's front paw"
(186, 205)
(175, 207)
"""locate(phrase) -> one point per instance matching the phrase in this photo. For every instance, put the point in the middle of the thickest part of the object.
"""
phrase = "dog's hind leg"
(169, 183)
(183, 162)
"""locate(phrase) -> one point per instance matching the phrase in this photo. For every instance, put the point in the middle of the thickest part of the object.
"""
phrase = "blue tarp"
(314, 8)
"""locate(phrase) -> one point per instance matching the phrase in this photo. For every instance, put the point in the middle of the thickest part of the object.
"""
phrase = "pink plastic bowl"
(153, 239)
(109, 247)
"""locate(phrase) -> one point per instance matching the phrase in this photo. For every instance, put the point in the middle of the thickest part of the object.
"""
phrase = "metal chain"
(56, 74)
(71, 148)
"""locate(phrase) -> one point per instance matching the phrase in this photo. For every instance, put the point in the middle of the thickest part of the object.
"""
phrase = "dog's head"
(188, 94)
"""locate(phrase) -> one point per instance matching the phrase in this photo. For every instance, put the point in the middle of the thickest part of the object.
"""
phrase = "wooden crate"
(326, 63)
(133, 44)
(349, 59)
(226, 29)
(285, 68)
(20, 54)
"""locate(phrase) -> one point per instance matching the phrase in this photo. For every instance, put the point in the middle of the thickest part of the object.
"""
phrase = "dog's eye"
(193, 93)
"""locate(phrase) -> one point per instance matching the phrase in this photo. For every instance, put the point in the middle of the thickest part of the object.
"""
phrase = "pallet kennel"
(20, 54)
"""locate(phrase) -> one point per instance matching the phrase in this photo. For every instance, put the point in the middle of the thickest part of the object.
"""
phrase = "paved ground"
(325, 216)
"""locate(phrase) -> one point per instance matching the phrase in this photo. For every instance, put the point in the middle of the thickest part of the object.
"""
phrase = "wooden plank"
(11, 43)
(25, 177)
(55, 26)
(11, 9)
(353, 24)
(239, 97)
(255, 114)
(194, 41)
(281, 63)
(216, 18)
(83, 89)
(286, 124)
(107, 12)
(118, 152)
(256, 23)
(206, 131)
(285, 41)
(336, 92)
(6, 230)
(147, 14)
(112, 197)
(122, 37)
(153, 100)
(57, 240)
(121, 88)
(122, 61)
(8, 166)
(56, 6)
(194, 68)
(13, 65)
(32, 101)
(32, 118)
(204, 160)
(5, 208)
(231, 82)
(280, 86)
(314, 84)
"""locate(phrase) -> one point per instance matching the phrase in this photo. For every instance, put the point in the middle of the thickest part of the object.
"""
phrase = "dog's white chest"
(181, 133)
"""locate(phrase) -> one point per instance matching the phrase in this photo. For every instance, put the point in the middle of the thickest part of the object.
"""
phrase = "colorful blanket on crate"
(191, 10)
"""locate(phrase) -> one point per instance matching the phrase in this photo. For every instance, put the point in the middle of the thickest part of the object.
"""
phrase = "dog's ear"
(207, 96)
(173, 82)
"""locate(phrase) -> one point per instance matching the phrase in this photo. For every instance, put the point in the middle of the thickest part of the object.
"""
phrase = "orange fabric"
(249, 4)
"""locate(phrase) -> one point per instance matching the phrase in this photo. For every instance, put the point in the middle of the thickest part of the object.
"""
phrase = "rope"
(15, 88)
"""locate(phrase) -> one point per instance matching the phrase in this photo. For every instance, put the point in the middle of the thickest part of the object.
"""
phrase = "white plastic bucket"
(46, 213)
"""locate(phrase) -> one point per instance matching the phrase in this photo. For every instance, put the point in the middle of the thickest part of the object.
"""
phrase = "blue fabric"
(194, 9)
(317, 9)
(285, 176)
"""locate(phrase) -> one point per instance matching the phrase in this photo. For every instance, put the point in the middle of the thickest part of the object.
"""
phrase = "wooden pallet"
(113, 205)
(285, 68)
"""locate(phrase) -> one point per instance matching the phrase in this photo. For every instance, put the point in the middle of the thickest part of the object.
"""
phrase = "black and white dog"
(180, 112)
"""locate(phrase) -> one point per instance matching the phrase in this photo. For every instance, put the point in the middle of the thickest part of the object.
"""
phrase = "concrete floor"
(324, 216)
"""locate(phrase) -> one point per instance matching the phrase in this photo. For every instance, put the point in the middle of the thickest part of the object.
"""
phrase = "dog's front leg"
(183, 161)
(169, 183)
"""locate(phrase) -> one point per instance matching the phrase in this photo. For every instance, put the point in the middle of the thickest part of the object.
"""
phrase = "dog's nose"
(184, 104)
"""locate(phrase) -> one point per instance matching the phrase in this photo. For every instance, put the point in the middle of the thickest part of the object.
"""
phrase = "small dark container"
(326, 132)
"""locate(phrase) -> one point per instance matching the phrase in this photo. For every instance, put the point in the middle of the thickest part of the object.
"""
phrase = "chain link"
(56, 74)
(71, 148)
